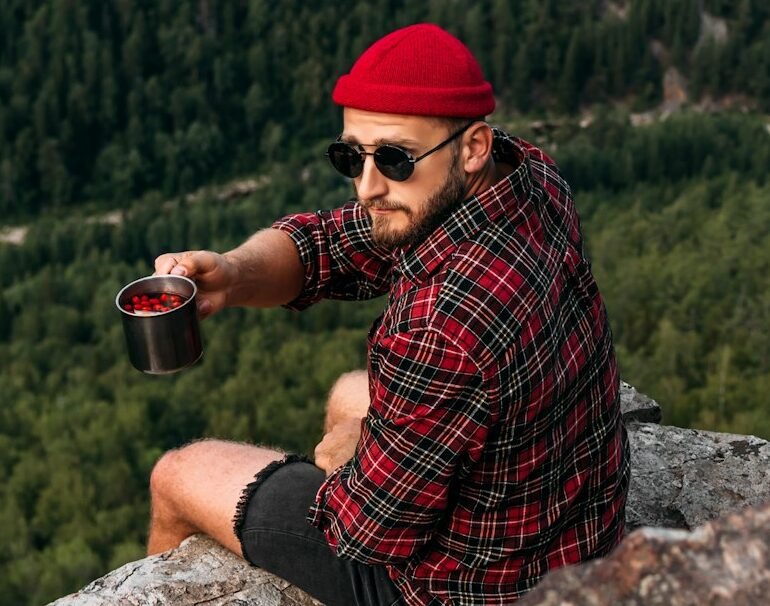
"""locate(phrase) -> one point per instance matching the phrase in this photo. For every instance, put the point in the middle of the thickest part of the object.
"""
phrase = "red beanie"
(418, 70)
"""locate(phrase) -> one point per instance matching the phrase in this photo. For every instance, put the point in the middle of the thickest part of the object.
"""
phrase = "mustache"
(381, 204)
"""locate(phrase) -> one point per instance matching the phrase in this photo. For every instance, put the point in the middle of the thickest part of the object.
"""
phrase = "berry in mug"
(151, 304)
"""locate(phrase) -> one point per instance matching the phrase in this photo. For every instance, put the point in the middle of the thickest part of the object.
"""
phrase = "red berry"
(164, 297)
(135, 299)
(128, 307)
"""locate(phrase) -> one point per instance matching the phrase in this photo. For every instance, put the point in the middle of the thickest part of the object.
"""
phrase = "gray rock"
(199, 571)
(723, 562)
(636, 407)
(681, 478)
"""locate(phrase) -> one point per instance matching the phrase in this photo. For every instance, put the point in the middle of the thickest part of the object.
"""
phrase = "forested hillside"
(112, 111)
(104, 100)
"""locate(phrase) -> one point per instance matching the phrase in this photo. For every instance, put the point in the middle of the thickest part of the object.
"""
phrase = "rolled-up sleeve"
(428, 419)
(340, 258)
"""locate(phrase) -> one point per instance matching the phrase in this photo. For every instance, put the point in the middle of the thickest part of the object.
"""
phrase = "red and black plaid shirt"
(493, 450)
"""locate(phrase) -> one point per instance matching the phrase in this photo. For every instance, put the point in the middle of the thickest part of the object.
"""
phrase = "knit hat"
(418, 70)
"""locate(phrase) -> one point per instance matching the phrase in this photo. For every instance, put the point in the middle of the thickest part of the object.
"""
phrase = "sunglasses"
(393, 162)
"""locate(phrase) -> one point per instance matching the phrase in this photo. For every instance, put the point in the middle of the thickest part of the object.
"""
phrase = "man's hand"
(211, 271)
(338, 446)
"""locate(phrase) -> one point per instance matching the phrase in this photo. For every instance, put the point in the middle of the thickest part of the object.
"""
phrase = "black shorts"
(275, 535)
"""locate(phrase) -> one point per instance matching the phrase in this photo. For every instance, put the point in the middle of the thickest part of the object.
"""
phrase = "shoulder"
(488, 293)
(543, 168)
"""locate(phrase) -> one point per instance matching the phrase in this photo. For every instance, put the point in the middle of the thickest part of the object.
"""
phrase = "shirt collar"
(504, 197)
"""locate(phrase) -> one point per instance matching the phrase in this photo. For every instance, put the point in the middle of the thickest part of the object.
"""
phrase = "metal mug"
(165, 342)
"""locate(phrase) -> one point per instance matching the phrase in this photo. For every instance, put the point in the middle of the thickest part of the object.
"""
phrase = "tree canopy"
(119, 120)
(103, 100)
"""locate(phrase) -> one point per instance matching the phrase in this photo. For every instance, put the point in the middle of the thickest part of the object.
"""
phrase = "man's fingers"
(205, 308)
(165, 263)
(199, 262)
(206, 268)
(189, 263)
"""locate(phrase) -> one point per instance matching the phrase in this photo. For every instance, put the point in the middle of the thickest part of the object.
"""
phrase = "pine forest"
(129, 128)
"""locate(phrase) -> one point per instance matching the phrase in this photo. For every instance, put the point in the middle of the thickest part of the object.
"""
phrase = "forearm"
(267, 270)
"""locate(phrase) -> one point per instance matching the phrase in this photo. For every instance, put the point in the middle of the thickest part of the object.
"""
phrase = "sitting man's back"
(494, 448)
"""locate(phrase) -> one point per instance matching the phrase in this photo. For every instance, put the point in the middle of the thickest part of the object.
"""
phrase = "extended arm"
(302, 259)
(264, 271)
(268, 270)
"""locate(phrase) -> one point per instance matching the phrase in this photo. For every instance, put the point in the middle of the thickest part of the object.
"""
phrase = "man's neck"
(492, 173)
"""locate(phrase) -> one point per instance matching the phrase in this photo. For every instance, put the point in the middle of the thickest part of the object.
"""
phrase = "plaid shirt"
(493, 450)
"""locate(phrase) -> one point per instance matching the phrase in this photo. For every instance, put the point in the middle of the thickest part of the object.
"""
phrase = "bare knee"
(168, 474)
(169, 524)
(196, 488)
(164, 475)
(348, 398)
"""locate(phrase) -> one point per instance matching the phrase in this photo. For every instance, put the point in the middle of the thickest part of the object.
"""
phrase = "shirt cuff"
(293, 228)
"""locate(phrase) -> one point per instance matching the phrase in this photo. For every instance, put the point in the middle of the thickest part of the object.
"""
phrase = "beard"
(421, 222)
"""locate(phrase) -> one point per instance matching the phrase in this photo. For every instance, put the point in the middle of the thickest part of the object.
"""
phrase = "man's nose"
(371, 184)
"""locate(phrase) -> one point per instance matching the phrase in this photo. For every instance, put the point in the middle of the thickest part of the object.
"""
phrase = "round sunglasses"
(393, 162)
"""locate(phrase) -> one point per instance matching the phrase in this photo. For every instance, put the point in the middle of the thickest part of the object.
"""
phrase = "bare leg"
(196, 489)
(348, 398)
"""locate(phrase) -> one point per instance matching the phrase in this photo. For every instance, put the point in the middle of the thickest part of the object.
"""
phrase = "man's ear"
(477, 147)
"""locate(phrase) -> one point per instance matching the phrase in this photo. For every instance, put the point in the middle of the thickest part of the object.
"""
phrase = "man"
(484, 445)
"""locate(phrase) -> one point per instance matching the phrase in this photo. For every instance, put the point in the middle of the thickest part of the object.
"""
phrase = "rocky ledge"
(698, 509)
(721, 562)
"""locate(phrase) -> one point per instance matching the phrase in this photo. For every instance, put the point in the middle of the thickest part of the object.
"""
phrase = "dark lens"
(345, 159)
(393, 162)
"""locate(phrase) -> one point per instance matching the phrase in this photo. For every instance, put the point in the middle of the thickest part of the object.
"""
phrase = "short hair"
(452, 125)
